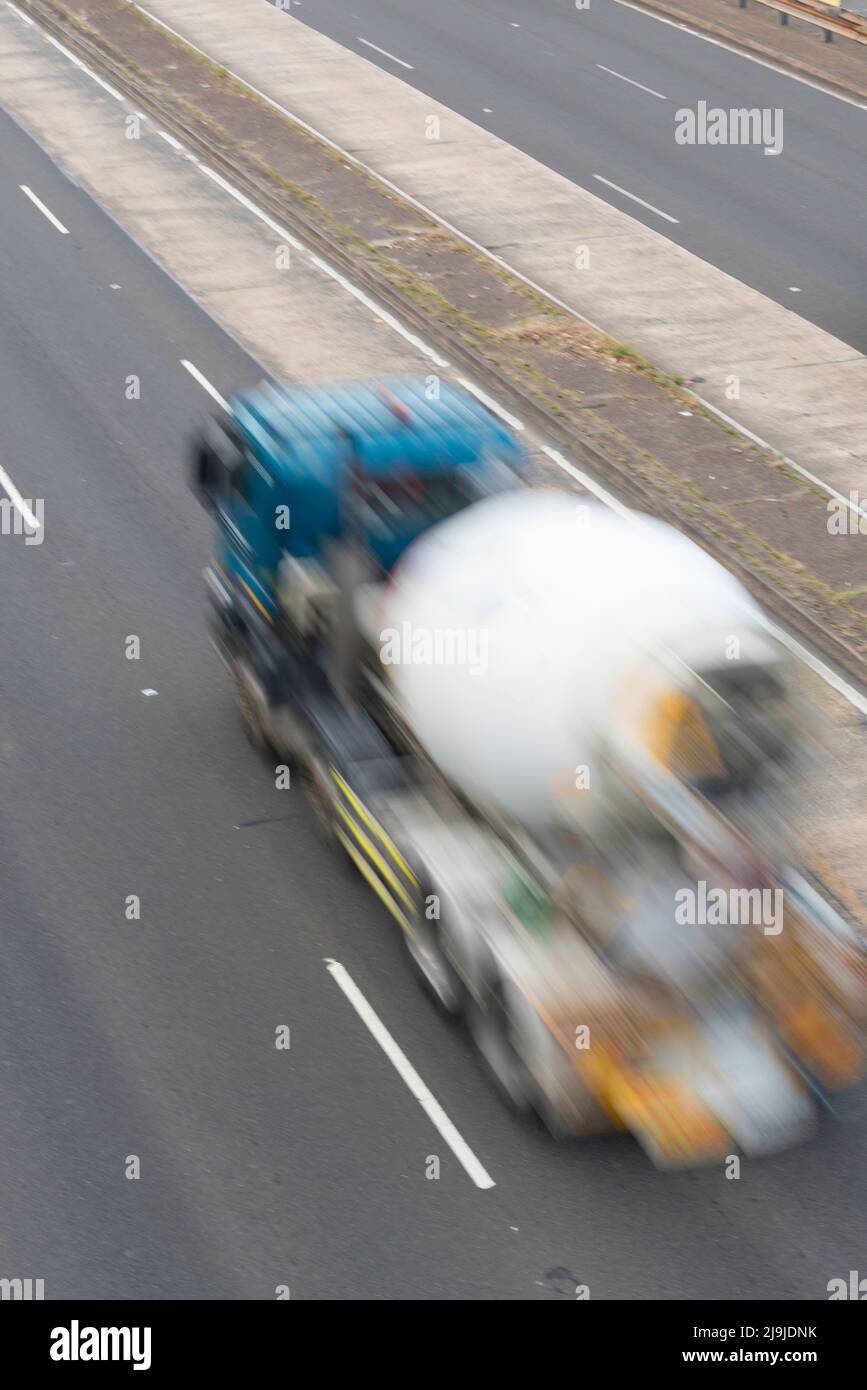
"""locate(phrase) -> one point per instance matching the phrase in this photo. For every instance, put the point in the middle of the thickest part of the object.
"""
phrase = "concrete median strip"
(678, 311)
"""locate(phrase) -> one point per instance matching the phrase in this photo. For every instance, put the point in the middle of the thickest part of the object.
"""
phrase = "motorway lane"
(157, 1039)
(774, 223)
(259, 1168)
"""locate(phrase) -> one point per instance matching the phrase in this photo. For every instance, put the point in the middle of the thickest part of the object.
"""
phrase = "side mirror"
(214, 457)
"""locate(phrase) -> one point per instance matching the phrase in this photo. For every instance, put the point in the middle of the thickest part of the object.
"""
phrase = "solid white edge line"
(377, 309)
(204, 383)
(825, 672)
(21, 14)
(418, 343)
(384, 53)
(407, 1072)
(490, 403)
(46, 212)
(18, 502)
(112, 91)
(636, 199)
(631, 81)
(587, 482)
(790, 463)
(251, 206)
(819, 667)
(743, 53)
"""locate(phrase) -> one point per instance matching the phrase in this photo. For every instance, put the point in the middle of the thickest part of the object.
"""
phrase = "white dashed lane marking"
(46, 212)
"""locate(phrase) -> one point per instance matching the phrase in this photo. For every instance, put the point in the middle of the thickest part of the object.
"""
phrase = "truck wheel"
(492, 1032)
(504, 1043)
(431, 965)
(252, 706)
(317, 786)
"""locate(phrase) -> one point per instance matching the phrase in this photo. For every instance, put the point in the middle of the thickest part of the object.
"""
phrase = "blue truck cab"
(291, 469)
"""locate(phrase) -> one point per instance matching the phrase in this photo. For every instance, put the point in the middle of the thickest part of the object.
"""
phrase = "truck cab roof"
(392, 426)
(379, 435)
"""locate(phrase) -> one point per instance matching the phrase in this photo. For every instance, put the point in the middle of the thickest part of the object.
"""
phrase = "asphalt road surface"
(155, 1038)
(593, 94)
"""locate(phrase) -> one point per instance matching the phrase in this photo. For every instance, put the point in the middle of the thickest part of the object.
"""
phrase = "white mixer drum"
(512, 632)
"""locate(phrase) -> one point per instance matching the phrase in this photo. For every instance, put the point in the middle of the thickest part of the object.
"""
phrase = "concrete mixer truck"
(557, 744)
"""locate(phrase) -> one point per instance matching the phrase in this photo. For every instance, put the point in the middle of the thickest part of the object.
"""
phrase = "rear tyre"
(493, 1034)
(427, 952)
(318, 789)
(504, 1041)
(252, 706)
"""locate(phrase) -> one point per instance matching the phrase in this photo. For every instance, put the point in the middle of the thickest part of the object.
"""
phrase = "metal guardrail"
(828, 16)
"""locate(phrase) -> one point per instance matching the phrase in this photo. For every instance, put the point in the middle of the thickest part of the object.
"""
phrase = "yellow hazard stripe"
(261, 607)
(373, 825)
(373, 853)
(378, 887)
